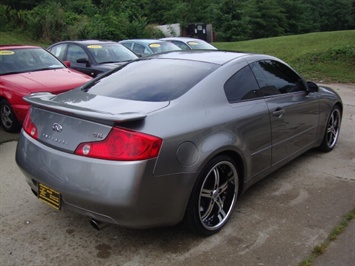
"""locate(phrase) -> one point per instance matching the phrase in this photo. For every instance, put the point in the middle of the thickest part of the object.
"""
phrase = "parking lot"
(277, 222)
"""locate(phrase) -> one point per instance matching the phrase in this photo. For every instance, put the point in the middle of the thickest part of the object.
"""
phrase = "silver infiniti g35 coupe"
(173, 138)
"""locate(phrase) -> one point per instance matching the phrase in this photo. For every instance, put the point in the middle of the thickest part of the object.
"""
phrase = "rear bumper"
(123, 193)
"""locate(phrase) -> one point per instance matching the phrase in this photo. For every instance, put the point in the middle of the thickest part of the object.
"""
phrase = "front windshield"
(111, 53)
(163, 47)
(201, 45)
(22, 60)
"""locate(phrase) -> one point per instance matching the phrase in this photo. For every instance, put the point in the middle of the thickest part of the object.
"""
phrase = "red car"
(28, 69)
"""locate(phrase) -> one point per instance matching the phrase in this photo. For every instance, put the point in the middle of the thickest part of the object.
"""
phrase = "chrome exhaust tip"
(97, 224)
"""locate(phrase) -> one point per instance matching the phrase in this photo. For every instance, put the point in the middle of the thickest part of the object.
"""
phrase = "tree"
(231, 22)
(267, 18)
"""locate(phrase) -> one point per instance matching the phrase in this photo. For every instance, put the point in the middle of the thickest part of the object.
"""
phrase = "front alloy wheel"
(213, 197)
(8, 118)
(331, 134)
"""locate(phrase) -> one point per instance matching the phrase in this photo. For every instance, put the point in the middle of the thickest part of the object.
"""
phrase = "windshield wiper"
(110, 62)
(10, 73)
(45, 68)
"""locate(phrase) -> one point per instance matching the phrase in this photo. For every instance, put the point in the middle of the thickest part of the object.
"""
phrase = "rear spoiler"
(44, 100)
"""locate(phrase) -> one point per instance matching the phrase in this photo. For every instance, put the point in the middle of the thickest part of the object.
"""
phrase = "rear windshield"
(153, 80)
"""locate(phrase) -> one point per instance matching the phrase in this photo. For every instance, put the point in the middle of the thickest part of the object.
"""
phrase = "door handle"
(279, 112)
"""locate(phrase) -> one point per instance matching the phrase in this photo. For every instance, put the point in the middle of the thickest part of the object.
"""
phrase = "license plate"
(49, 196)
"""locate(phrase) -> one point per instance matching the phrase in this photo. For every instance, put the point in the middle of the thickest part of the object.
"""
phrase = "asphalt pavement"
(277, 222)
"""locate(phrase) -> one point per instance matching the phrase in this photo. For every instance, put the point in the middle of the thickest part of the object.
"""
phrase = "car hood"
(109, 66)
(54, 81)
(93, 106)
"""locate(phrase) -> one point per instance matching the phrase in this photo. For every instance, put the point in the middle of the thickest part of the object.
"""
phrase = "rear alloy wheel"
(8, 119)
(331, 133)
(213, 197)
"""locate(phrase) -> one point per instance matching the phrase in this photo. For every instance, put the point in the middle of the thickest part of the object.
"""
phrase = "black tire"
(213, 197)
(332, 129)
(8, 118)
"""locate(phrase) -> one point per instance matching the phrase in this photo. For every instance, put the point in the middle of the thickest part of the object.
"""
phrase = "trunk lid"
(66, 120)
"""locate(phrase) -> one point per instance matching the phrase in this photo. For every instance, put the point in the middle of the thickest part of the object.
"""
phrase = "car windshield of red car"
(13, 61)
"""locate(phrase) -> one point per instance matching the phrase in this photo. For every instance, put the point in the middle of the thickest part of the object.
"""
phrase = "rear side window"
(59, 50)
(153, 80)
(242, 86)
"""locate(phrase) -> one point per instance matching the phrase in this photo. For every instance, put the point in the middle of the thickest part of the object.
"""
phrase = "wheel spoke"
(216, 178)
(224, 186)
(221, 213)
(207, 193)
(208, 211)
(331, 131)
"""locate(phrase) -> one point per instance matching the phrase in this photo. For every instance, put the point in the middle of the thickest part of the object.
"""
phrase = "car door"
(252, 124)
(294, 112)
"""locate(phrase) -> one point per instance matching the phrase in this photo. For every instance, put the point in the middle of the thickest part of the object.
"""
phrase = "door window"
(75, 52)
(276, 78)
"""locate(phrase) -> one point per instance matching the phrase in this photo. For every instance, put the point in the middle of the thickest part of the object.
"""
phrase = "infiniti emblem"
(57, 127)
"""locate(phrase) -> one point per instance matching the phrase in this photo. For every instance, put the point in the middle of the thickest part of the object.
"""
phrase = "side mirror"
(312, 87)
(83, 61)
(67, 63)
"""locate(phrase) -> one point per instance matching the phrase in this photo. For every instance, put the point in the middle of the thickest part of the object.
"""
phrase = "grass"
(320, 56)
(17, 38)
(322, 248)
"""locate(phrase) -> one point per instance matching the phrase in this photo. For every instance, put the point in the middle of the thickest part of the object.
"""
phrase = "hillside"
(321, 56)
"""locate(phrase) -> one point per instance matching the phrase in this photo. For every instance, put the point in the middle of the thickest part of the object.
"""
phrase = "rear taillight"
(29, 127)
(122, 145)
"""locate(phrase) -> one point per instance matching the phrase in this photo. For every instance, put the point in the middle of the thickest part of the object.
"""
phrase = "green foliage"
(267, 19)
(3, 16)
(232, 20)
(104, 27)
(232, 23)
(42, 22)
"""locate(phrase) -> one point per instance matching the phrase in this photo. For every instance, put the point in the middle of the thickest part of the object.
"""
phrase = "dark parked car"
(145, 47)
(26, 69)
(187, 43)
(92, 57)
(179, 138)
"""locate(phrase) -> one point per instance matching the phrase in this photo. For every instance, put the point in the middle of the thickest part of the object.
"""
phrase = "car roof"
(143, 41)
(208, 56)
(186, 39)
(86, 42)
(16, 46)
